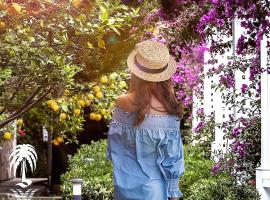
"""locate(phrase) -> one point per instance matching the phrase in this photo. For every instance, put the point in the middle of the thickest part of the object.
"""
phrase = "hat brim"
(158, 77)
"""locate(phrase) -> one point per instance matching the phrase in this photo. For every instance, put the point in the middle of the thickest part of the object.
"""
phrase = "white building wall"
(263, 172)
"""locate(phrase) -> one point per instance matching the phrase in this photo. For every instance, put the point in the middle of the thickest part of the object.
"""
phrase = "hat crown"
(152, 54)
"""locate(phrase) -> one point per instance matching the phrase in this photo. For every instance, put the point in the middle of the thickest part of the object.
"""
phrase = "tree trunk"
(7, 147)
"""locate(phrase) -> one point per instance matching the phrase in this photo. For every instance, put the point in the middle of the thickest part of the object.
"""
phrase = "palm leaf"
(23, 154)
(31, 160)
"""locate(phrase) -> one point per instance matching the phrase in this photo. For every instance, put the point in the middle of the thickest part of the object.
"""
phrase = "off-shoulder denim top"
(147, 160)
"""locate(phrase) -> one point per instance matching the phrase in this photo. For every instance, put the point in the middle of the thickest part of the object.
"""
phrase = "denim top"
(148, 159)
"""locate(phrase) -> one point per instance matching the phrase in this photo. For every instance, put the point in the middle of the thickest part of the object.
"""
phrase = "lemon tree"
(9, 132)
(65, 115)
(104, 92)
(50, 46)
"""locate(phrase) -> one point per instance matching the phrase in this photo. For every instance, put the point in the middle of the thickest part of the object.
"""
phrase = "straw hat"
(151, 61)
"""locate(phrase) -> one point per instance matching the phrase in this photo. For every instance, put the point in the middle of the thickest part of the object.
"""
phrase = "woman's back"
(144, 141)
(148, 159)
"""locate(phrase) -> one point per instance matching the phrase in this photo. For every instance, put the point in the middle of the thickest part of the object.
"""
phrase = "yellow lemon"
(82, 103)
(63, 116)
(20, 122)
(92, 116)
(2, 25)
(90, 97)
(77, 112)
(59, 139)
(96, 89)
(50, 102)
(98, 117)
(99, 95)
(122, 84)
(55, 107)
(7, 135)
(104, 79)
(56, 143)
(66, 92)
(103, 111)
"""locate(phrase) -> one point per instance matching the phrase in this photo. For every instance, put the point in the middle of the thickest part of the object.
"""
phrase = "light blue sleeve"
(108, 154)
(172, 164)
(114, 126)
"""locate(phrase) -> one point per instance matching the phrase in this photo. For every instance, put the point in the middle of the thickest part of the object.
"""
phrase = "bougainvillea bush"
(203, 134)
(242, 130)
(205, 19)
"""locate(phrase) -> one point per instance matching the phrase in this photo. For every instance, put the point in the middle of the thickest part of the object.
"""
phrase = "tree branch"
(22, 111)
(27, 101)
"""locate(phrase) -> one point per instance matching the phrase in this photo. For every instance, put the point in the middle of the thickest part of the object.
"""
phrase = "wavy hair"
(163, 91)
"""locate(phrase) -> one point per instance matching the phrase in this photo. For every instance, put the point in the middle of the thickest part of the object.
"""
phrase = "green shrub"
(97, 175)
(197, 183)
(98, 181)
(222, 187)
(197, 167)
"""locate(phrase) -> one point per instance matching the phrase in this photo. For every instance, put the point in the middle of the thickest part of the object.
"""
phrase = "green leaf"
(10, 37)
(115, 30)
(64, 107)
(104, 15)
(90, 46)
(137, 10)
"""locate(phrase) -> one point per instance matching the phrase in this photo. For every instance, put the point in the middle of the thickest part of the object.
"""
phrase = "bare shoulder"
(125, 102)
(121, 100)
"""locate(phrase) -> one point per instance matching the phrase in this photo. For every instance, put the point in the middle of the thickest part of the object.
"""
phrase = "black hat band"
(147, 70)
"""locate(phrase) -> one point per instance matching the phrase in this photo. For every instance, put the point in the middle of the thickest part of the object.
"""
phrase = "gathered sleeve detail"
(171, 161)
(115, 127)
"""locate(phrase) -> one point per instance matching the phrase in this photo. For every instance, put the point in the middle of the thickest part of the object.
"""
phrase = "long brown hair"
(163, 91)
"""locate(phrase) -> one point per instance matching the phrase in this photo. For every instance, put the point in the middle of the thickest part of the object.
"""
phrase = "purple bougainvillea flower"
(241, 46)
(244, 88)
(220, 22)
(244, 122)
(235, 132)
(227, 80)
(200, 112)
(239, 148)
(199, 127)
(216, 168)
